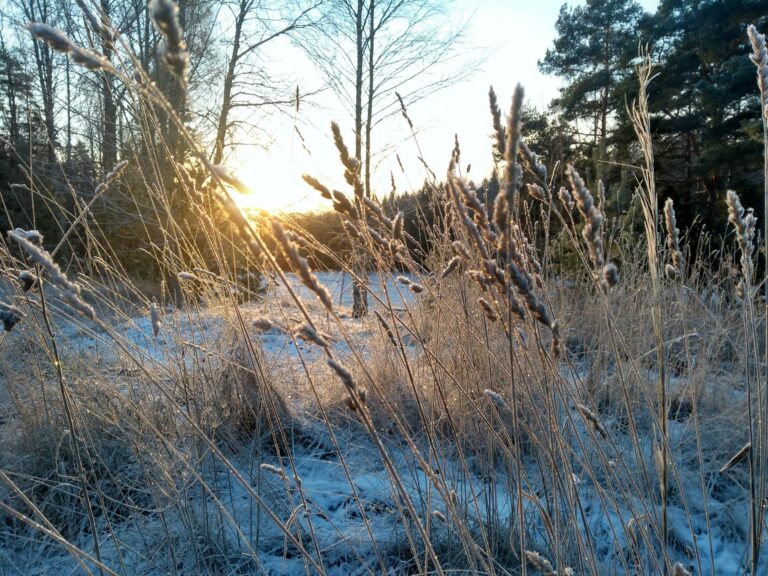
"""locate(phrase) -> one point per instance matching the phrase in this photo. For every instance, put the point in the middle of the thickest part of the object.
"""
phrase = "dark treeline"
(63, 128)
(422, 221)
(704, 102)
(706, 116)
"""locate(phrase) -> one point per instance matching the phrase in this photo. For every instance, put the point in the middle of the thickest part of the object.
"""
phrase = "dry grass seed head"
(611, 275)
(404, 112)
(31, 235)
(414, 287)
(460, 250)
(537, 192)
(309, 334)
(70, 290)
(317, 185)
(378, 212)
(397, 226)
(351, 165)
(385, 326)
(277, 471)
(111, 176)
(759, 57)
(300, 263)
(450, 267)
(353, 231)
(745, 223)
(437, 515)
(488, 310)
(102, 29)
(344, 375)
(593, 219)
(592, 418)
(228, 177)
(533, 164)
(10, 316)
(512, 173)
(673, 238)
(566, 198)
(496, 398)
(498, 126)
(165, 16)
(343, 205)
(27, 279)
(60, 42)
(540, 563)
(740, 456)
(156, 320)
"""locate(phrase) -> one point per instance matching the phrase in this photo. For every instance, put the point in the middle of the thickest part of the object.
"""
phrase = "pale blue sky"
(514, 34)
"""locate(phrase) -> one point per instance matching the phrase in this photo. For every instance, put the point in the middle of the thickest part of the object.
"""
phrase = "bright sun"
(275, 184)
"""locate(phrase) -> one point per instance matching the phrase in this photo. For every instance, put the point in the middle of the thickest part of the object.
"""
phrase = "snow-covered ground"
(333, 491)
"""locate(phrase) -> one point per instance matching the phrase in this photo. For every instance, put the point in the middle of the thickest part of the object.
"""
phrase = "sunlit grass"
(503, 408)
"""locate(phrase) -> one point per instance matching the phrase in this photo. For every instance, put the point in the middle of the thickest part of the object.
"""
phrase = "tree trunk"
(109, 122)
(359, 289)
(226, 104)
(43, 60)
(146, 46)
(10, 94)
(44, 66)
(170, 137)
(69, 114)
(604, 105)
(109, 126)
(360, 62)
(603, 144)
(369, 113)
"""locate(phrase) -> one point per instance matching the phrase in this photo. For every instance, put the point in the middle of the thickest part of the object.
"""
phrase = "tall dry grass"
(496, 414)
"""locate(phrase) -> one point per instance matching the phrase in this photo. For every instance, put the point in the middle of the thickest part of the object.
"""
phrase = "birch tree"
(371, 49)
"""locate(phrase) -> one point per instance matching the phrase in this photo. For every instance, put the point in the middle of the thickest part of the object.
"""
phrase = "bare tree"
(41, 11)
(370, 49)
(101, 37)
(253, 30)
(406, 40)
(15, 87)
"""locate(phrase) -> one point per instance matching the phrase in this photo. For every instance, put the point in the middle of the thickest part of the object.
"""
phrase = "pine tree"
(592, 52)
(705, 106)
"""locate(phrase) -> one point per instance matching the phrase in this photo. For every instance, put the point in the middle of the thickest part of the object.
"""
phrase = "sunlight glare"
(274, 180)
